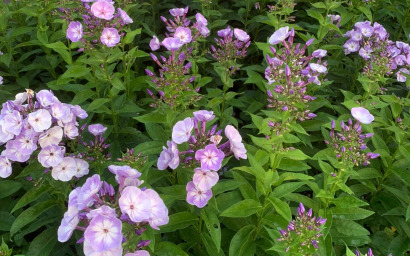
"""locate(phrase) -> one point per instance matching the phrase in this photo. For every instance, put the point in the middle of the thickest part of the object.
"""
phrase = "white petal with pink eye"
(181, 131)
(40, 120)
(204, 179)
(66, 170)
(135, 203)
(70, 130)
(5, 167)
(104, 233)
(52, 136)
(82, 167)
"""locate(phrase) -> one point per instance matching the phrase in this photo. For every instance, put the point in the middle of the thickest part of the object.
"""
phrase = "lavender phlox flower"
(125, 175)
(172, 43)
(201, 20)
(205, 179)
(104, 233)
(138, 253)
(319, 53)
(184, 35)
(13, 122)
(75, 31)
(103, 210)
(135, 203)
(103, 10)
(178, 11)
(279, 36)
(210, 157)
(182, 130)
(51, 156)
(235, 140)
(97, 129)
(40, 120)
(225, 32)
(65, 170)
(241, 35)
(110, 37)
(14, 153)
(196, 196)
(5, 167)
(362, 115)
(124, 16)
(52, 136)
(89, 250)
(169, 157)
(154, 44)
(82, 167)
(67, 227)
(158, 211)
(90, 189)
(400, 74)
(204, 115)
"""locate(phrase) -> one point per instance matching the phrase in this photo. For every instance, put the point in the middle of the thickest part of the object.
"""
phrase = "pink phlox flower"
(197, 197)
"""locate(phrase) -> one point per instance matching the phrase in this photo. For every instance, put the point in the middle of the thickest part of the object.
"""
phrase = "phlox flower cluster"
(205, 153)
(40, 123)
(382, 56)
(174, 83)
(291, 71)
(349, 143)
(100, 212)
(301, 235)
(230, 46)
(180, 30)
(100, 23)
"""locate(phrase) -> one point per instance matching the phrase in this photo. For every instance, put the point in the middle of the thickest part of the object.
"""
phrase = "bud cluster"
(301, 235)
(350, 143)
(291, 70)
(228, 49)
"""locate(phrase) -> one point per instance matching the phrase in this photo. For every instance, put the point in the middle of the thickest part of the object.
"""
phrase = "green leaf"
(317, 15)
(366, 11)
(349, 252)
(225, 185)
(348, 202)
(408, 213)
(295, 154)
(6, 219)
(9, 187)
(213, 226)
(287, 188)
(130, 36)
(351, 213)
(97, 103)
(30, 215)
(242, 243)
(153, 117)
(4, 249)
(43, 243)
(76, 71)
(349, 227)
(168, 249)
(281, 207)
(30, 196)
(179, 220)
(244, 208)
